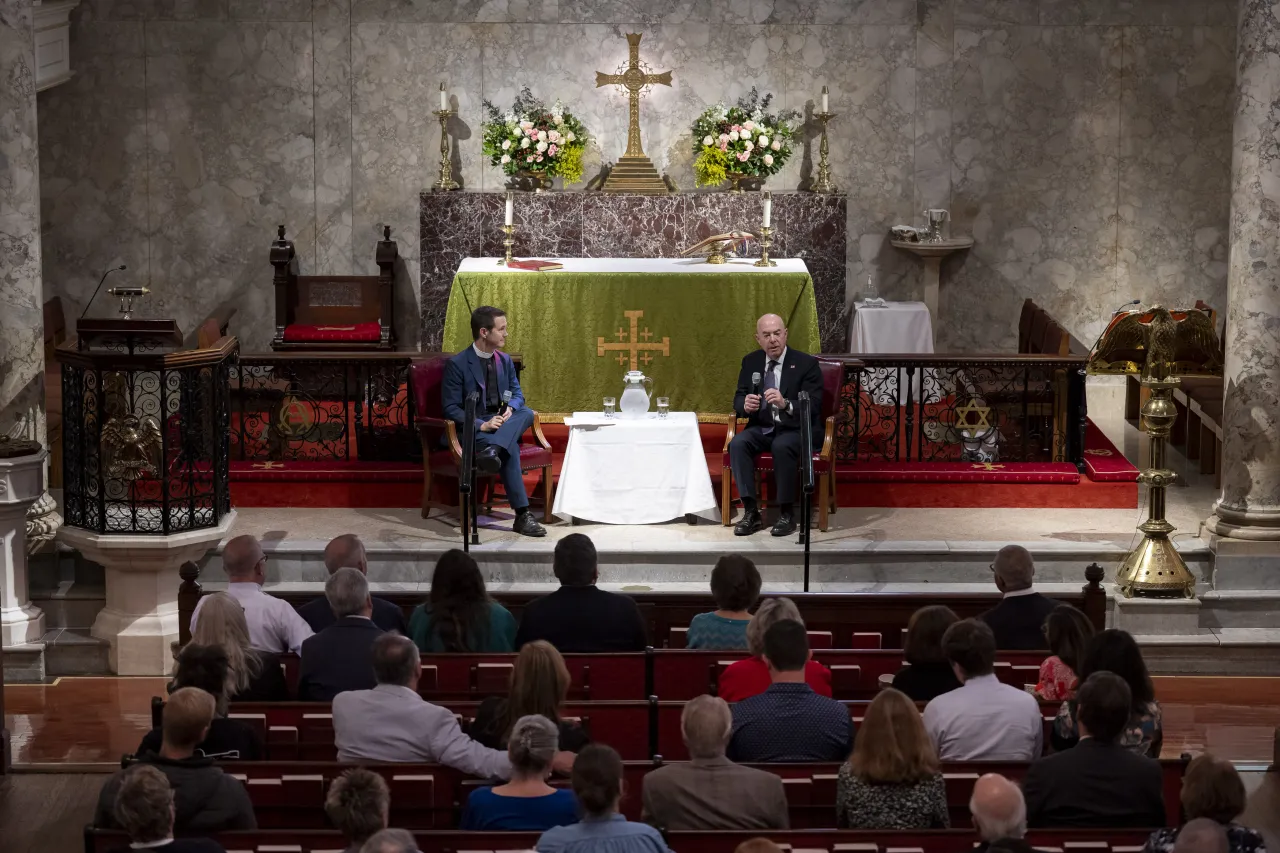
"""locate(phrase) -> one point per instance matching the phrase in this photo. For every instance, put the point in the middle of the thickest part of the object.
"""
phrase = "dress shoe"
(488, 461)
(784, 526)
(748, 524)
(525, 525)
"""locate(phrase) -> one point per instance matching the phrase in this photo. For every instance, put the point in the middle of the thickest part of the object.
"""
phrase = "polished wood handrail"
(222, 349)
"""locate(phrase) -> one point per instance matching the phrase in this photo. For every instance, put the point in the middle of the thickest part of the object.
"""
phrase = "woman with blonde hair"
(252, 674)
(892, 779)
(746, 678)
(539, 686)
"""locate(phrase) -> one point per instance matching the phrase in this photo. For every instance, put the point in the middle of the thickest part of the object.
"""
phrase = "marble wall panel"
(336, 253)
(21, 324)
(548, 225)
(455, 11)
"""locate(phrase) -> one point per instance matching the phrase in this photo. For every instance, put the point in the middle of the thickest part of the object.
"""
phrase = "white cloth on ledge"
(647, 265)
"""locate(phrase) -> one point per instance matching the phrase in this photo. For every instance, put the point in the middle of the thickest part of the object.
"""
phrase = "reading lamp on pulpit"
(1161, 347)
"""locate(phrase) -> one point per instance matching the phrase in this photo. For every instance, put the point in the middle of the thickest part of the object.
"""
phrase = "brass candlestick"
(823, 182)
(765, 243)
(507, 242)
(446, 181)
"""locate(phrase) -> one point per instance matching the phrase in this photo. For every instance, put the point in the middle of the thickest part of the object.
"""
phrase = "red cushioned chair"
(832, 378)
(441, 450)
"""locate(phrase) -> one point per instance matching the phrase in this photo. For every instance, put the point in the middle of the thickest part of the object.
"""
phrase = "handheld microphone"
(755, 383)
(506, 402)
(99, 287)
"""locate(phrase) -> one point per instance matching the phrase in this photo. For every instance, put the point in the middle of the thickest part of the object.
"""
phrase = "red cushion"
(325, 472)
(531, 456)
(355, 333)
(1102, 461)
(959, 472)
(428, 378)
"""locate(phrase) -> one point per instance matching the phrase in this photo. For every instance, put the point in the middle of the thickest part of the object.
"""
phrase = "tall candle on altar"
(824, 100)
(444, 99)
(768, 209)
(511, 209)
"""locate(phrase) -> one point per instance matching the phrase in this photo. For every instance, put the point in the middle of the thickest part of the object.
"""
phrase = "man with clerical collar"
(768, 396)
(501, 415)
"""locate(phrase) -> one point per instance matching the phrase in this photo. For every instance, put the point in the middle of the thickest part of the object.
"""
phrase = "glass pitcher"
(635, 393)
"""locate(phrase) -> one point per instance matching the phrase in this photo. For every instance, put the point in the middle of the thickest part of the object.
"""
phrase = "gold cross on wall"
(633, 80)
(629, 350)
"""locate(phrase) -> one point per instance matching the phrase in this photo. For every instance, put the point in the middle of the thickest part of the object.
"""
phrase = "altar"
(682, 321)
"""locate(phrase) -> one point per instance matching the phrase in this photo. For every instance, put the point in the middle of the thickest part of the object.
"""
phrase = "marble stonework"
(21, 295)
(598, 225)
(1082, 141)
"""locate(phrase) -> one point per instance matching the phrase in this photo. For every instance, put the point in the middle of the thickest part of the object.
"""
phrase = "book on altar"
(535, 265)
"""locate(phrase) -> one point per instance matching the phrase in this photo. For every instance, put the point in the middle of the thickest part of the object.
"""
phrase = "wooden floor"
(88, 723)
(47, 812)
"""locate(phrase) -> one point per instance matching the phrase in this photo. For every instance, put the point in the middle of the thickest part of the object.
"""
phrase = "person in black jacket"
(579, 616)
(1018, 620)
(144, 808)
(928, 673)
(771, 406)
(340, 657)
(347, 552)
(1099, 783)
(205, 799)
(205, 667)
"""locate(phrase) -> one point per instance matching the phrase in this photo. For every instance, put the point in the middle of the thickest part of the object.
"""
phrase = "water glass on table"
(610, 406)
(664, 406)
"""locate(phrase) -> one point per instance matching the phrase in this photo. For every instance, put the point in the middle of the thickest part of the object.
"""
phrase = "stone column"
(21, 484)
(1249, 508)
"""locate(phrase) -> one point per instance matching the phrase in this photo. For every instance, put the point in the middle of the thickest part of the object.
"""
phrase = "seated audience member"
(458, 615)
(340, 657)
(393, 723)
(539, 685)
(579, 616)
(1099, 783)
(205, 667)
(746, 678)
(999, 815)
(735, 585)
(358, 805)
(144, 809)
(1116, 651)
(892, 780)
(927, 673)
(1203, 836)
(983, 720)
(789, 721)
(1211, 790)
(274, 626)
(252, 674)
(757, 845)
(1018, 620)
(347, 552)
(597, 783)
(391, 841)
(205, 799)
(1068, 632)
(527, 802)
(710, 791)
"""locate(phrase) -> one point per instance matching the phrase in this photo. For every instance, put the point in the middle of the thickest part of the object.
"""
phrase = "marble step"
(24, 664)
(74, 652)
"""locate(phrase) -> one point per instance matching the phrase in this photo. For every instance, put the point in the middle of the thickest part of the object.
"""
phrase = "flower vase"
(744, 183)
(528, 181)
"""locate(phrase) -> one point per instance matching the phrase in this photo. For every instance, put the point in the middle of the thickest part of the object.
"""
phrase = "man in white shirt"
(392, 722)
(982, 720)
(274, 626)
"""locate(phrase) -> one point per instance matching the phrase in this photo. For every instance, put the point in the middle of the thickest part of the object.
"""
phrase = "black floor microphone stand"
(467, 476)
(806, 479)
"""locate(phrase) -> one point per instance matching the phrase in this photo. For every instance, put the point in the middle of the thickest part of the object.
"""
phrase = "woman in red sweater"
(746, 678)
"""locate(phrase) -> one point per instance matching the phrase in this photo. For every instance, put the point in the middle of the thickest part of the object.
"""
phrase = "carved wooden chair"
(441, 445)
(823, 459)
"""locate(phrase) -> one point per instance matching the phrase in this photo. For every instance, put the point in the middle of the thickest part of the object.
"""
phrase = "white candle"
(511, 209)
(768, 209)
(824, 100)
(444, 98)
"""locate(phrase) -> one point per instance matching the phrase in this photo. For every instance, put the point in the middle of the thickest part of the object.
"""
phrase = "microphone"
(1113, 314)
(755, 383)
(99, 287)
(506, 402)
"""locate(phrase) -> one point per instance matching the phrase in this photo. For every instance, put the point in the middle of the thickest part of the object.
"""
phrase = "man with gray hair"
(999, 814)
(347, 552)
(340, 657)
(274, 626)
(1018, 620)
(391, 841)
(710, 791)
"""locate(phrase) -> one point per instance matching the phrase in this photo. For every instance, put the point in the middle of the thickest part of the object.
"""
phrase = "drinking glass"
(610, 406)
(664, 406)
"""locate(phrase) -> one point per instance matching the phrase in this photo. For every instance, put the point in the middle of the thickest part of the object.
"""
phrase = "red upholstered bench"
(298, 333)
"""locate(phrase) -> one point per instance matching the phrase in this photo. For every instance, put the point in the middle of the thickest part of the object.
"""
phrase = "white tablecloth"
(898, 327)
(683, 265)
(641, 470)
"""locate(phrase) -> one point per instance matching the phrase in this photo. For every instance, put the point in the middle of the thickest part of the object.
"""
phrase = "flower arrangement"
(743, 140)
(530, 137)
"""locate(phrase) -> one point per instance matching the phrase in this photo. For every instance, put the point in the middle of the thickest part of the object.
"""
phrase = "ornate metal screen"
(939, 408)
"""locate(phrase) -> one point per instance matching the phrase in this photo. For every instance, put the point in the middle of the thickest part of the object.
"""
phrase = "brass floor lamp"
(1160, 347)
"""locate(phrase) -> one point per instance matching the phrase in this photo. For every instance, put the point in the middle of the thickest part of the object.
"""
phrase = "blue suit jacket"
(465, 373)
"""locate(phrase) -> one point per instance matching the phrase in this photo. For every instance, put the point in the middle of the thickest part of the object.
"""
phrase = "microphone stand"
(466, 476)
(806, 479)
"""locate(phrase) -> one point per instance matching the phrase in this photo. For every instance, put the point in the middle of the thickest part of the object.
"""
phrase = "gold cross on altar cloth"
(986, 466)
(633, 80)
(630, 350)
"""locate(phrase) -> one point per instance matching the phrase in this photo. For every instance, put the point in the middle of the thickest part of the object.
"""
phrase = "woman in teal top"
(735, 585)
(458, 615)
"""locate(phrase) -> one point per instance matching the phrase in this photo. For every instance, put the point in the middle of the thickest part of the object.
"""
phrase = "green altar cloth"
(686, 325)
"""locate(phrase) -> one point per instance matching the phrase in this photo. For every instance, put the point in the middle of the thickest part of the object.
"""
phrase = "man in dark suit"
(768, 396)
(579, 616)
(340, 657)
(347, 552)
(1098, 782)
(1018, 620)
(501, 415)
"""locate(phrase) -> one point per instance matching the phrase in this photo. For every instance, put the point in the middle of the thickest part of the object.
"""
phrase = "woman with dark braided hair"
(527, 802)
(458, 615)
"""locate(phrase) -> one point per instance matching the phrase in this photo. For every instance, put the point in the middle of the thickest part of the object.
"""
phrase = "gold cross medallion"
(982, 413)
(986, 466)
(1098, 452)
(268, 466)
(630, 347)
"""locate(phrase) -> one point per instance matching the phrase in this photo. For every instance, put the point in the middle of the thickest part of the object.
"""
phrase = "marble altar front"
(456, 225)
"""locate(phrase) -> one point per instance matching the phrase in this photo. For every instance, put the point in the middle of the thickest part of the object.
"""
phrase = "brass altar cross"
(630, 350)
(634, 171)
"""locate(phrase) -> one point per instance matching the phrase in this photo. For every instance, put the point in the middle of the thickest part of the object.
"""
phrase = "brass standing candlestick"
(507, 242)
(823, 182)
(446, 181)
(765, 243)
